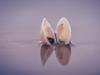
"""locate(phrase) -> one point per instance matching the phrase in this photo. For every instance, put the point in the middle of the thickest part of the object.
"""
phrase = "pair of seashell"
(58, 41)
(61, 35)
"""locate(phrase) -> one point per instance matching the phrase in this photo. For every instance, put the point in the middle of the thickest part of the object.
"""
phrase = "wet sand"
(20, 51)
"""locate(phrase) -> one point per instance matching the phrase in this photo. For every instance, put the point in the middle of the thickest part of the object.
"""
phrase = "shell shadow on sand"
(63, 53)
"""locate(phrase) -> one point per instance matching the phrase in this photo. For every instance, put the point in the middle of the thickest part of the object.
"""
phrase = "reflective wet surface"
(63, 53)
(20, 51)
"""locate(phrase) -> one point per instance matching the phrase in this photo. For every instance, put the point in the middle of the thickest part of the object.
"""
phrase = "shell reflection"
(63, 53)
(45, 52)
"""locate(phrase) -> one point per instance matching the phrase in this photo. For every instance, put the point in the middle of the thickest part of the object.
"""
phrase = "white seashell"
(46, 31)
(63, 30)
